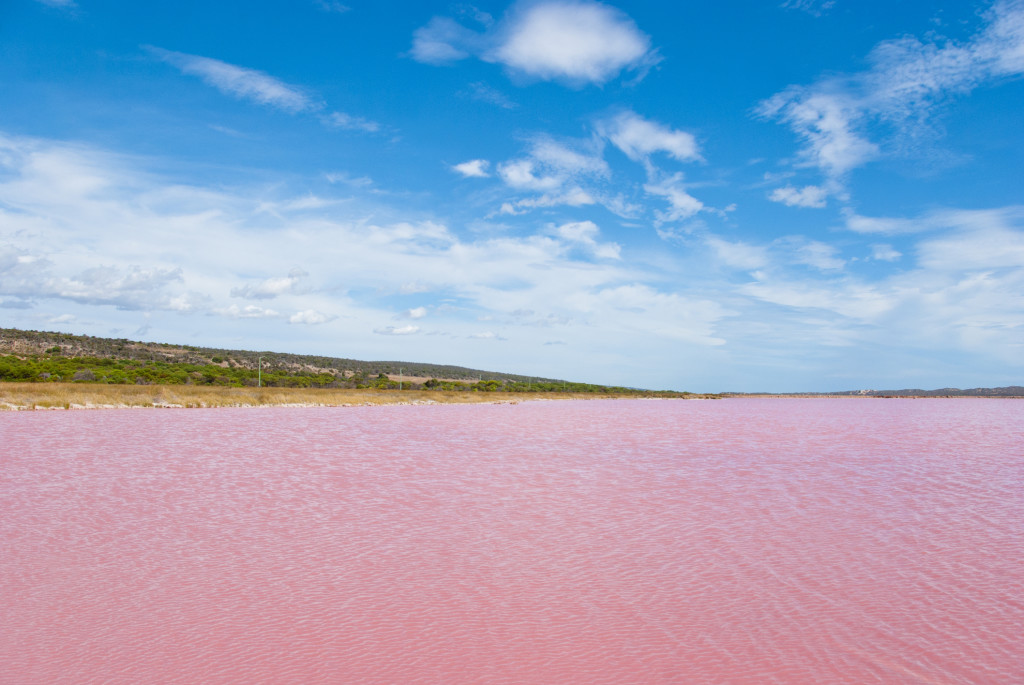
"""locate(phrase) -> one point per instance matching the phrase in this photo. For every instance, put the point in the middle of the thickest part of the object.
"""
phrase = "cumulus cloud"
(638, 138)
(474, 168)
(584, 234)
(582, 42)
(682, 205)
(416, 313)
(808, 196)
(272, 287)
(402, 330)
(248, 312)
(549, 166)
(240, 82)
(309, 317)
(523, 174)
(576, 42)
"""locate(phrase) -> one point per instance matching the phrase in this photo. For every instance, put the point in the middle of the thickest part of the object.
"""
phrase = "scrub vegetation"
(46, 369)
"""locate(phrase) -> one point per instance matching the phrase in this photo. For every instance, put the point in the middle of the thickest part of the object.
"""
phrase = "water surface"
(736, 541)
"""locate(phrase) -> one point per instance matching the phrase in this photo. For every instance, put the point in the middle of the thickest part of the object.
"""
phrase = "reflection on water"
(739, 541)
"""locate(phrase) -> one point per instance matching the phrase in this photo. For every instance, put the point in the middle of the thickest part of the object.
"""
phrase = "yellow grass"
(17, 396)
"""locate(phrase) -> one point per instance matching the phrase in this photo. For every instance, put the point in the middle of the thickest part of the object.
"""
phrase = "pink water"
(737, 541)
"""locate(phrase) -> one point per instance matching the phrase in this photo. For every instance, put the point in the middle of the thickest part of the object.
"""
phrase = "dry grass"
(18, 396)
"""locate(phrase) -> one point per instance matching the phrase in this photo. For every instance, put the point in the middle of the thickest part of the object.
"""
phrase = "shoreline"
(70, 396)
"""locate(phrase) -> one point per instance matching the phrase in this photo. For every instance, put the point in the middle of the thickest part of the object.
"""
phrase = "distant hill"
(16, 341)
(42, 355)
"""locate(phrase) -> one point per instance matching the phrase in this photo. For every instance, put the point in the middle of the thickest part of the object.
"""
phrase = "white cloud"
(867, 224)
(474, 168)
(884, 253)
(443, 41)
(815, 8)
(682, 205)
(248, 312)
(485, 93)
(576, 197)
(808, 196)
(566, 160)
(584, 234)
(309, 317)
(908, 78)
(240, 82)
(819, 255)
(549, 168)
(272, 287)
(521, 175)
(403, 330)
(582, 42)
(332, 6)
(350, 122)
(416, 312)
(974, 248)
(738, 255)
(577, 42)
(827, 122)
(638, 138)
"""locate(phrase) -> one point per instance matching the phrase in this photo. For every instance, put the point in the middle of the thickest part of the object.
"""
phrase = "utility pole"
(259, 372)
(400, 377)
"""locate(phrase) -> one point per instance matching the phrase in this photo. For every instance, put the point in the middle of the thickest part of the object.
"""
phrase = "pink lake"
(735, 541)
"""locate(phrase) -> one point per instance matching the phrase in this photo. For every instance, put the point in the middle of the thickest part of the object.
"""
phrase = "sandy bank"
(33, 396)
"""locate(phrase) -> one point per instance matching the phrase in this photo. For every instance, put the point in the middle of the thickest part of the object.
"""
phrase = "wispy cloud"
(474, 168)
(401, 330)
(272, 287)
(575, 42)
(682, 205)
(815, 8)
(485, 93)
(837, 117)
(259, 87)
(248, 312)
(239, 82)
(350, 122)
(808, 196)
(332, 6)
(638, 138)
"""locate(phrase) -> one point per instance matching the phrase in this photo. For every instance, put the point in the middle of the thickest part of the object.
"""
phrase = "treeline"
(36, 343)
(53, 367)
(43, 357)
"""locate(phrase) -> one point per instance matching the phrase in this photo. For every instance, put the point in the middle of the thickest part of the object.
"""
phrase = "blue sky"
(760, 196)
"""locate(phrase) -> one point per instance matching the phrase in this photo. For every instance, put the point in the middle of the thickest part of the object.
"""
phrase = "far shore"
(35, 396)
